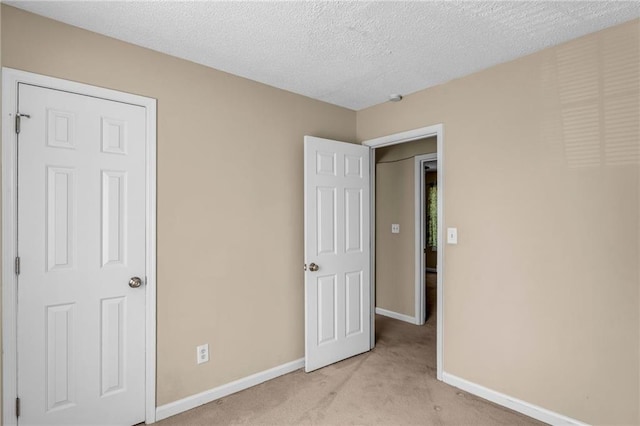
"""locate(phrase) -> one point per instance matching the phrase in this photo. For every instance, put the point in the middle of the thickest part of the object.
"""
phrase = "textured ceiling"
(353, 54)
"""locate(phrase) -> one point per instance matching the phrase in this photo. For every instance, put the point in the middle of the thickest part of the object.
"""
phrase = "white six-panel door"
(337, 294)
(81, 238)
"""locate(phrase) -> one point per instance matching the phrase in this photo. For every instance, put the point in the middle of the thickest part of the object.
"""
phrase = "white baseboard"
(515, 404)
(391, 314)
(205, 397)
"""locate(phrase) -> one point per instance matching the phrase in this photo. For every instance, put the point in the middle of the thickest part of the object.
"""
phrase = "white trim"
(440, 255)
(408, 136)
(10, 79)
(515, 404)
(205, 397)
(9, 244)
(372, 246)
(151, 281)
(396, 315)
(436, 130)
(419, 200)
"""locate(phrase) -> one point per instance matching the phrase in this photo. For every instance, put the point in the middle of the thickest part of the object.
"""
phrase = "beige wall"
(230, 224)
(406, 150)
(541, 159)
(395, 203)
(395, 253)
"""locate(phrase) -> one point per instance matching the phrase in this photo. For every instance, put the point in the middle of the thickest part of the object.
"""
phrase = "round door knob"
(135, 282)
(313, 267)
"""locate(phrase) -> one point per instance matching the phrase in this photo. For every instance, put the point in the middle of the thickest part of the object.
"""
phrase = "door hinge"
(17, 265)
(19, 119)
(17, 407)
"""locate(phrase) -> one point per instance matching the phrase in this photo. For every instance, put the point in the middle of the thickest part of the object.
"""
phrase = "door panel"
(81, 237)
(337, 295)
(60, 341)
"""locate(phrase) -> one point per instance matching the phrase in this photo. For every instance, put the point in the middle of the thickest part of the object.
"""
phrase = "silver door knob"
(313, 267)
(135, 282)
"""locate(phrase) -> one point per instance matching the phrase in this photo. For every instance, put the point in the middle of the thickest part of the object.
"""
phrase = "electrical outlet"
(395, 228)
(202, 353)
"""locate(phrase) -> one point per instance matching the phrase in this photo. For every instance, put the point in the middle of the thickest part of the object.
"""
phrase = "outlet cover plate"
(202, 353)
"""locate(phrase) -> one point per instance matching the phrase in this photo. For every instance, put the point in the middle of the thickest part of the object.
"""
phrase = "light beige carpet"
(394, 384)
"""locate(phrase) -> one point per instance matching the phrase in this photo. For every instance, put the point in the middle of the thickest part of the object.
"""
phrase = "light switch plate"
(452, 235)
(395, 228)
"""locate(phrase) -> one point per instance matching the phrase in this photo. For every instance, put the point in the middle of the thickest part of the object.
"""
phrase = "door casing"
(10, 79)
(436, 131)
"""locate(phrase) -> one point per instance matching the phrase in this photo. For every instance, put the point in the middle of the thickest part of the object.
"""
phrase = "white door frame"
(436, 131)
(10, 80)
(420, 222)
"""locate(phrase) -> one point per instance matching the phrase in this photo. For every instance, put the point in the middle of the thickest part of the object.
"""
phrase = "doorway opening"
(389, 256)
(426, 200)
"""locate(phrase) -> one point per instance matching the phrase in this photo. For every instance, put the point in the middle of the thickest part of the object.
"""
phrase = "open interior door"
(337, 251)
